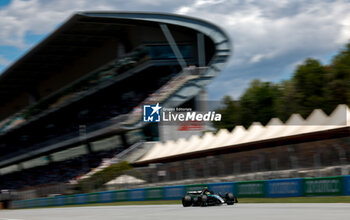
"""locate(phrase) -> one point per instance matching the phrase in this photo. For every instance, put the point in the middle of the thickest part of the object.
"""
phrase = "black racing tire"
(186, 201)
(195, 201)
(230, 198)
(203, 200)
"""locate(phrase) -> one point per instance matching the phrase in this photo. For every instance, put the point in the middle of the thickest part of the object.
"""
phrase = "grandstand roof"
(81, 33)
(317, 126)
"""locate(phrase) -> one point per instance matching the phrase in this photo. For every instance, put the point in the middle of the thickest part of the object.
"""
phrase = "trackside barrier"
(174, 192)
(155, 193)
(70, 200)
(136, 194)
(60, 200)
(324, 186)
(81, 199)
(250, 189)
(121, 195)
(106, 197)
(195, 187)
(93, 197)
(222, 188)
(346, 185)
(284, 188)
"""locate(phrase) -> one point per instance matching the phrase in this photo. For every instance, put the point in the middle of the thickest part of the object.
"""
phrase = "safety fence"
(323, 186)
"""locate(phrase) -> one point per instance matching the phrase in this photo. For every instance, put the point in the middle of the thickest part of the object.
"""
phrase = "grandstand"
(312, 147)
(275, 132)
(74, 99)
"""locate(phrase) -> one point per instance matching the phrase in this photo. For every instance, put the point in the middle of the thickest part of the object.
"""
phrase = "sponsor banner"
(49, 201)
(222, 188)
(34, 203)
(16, 204)
(154, 193)
(70, 200)
(121, 195)
(92, 197)
(27, 203)
(284, 188)
(106, 196)
(250, 189)
(195, 187)
(346, 185)
(323, 186)
(60, 200)
(23, 204)
(174, 192)
(136, 194)
(80, 199)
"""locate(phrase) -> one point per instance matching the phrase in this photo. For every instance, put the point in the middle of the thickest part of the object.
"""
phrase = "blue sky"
(270, 37)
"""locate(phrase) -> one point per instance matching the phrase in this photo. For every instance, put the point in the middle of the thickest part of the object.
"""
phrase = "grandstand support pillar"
(201, 105)
(49, 158)
(341, 154)
(169, 37)
(208, 166)
(153, 172)
(221, 164)
(201, 101)
(20, 167)
(190, 169)
(167, 172)
(254, 166)
(89, 147)
(236, 167)
(293, 157)
(124, 141)
(317, 159)
(179, 171)
(201, 49)
(34, 96)
(274, 163)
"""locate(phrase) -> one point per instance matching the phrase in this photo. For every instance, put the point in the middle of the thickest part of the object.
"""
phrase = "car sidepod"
(215, 200)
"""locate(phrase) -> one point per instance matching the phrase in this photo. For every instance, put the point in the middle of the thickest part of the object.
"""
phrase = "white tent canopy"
(125, 179)
(295, 125)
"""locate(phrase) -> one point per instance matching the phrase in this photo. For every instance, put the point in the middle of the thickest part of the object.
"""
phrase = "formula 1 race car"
(207, 198)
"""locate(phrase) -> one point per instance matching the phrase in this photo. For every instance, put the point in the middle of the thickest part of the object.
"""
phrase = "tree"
(258, 103)
(339, 78)
(312, 86)
(230, 114)
(310, 82)
(286, 103)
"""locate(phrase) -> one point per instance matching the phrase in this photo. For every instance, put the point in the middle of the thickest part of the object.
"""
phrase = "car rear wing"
(194, 192)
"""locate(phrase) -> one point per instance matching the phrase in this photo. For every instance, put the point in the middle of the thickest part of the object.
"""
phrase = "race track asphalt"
(271, 211)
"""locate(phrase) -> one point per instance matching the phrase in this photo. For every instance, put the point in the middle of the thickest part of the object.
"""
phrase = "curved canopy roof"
(317, 126)
(85, 31)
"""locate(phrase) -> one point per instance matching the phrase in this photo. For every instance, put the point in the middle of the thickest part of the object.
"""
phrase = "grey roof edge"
(162, 17)
(167, 18)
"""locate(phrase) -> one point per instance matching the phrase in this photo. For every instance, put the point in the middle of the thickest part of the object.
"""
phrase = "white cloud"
(21, 17)
(269, 36)
(4, 61)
